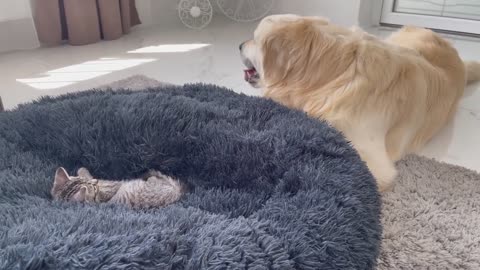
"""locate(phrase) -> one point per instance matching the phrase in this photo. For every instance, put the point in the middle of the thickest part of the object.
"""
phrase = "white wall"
(17, 31)
(144, 8)
(158, 12)
(163, 12)
(14, 9)
(343, 12)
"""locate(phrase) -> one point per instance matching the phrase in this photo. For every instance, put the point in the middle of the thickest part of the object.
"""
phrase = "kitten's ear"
(83, 172)
(61, 177)
(80, 195)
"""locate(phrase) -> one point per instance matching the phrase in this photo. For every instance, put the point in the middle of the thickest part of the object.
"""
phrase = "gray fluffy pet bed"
(271, 188)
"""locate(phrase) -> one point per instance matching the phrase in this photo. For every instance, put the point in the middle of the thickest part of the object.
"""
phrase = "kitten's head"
(81, 188)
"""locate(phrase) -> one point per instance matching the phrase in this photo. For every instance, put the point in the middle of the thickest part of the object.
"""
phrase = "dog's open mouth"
(251, 75)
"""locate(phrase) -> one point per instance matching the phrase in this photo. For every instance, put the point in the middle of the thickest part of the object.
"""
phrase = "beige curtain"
(83, 21)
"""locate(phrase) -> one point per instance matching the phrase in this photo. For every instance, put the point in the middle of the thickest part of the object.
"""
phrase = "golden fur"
(388, 97)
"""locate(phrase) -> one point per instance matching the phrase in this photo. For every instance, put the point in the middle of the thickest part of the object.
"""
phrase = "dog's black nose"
(241, 46)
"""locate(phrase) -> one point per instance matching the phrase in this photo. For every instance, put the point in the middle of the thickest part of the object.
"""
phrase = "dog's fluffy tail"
(473, 71)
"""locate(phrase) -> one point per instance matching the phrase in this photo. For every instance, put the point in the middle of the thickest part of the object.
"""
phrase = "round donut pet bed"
(270, 188)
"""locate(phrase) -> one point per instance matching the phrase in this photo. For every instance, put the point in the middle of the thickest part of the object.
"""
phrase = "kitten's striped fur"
(157, 190)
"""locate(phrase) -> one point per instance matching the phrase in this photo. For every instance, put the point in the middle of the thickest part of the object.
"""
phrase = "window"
(450, 15)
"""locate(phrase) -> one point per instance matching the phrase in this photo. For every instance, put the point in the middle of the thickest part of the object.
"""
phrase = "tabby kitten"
(156, 190)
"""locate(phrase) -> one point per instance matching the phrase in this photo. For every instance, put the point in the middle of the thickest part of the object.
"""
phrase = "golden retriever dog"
(388, 97)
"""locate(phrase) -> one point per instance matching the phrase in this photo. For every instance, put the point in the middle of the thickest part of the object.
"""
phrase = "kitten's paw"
(152, 173)
(147, 175)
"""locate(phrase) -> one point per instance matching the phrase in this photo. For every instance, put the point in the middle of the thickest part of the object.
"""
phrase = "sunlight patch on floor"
(81, 72)
(170, 48)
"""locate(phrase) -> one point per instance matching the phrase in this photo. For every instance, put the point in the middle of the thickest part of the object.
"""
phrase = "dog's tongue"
(249, 73)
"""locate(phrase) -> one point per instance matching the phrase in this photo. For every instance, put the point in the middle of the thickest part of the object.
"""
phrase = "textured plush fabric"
(271, 188)
(432, 219)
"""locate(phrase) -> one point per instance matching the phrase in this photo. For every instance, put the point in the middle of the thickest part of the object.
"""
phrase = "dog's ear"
(274, 57)
(288, 51)
(303, 52)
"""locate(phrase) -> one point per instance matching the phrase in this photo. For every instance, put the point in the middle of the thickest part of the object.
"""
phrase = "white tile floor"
(179, 55)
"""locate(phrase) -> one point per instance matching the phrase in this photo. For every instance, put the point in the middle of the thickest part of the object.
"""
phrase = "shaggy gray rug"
(432, 218)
